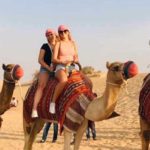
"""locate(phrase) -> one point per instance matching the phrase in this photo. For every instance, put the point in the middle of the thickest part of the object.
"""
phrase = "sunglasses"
(49, 34)
(61, 32)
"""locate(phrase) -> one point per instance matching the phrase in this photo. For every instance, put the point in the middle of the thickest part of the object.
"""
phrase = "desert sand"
(119, 133)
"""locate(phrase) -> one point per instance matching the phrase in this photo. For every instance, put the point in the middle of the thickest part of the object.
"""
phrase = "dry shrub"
(88, 70)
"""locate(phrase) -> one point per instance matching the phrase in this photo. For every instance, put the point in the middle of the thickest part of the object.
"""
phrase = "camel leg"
(67, 139)
(1, 120)
(30, 133)
(145, 134)
(79, 134)
(27, 131)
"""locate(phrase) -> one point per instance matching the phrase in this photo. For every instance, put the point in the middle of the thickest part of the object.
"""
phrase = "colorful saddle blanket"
(144, 99)
(70, 106)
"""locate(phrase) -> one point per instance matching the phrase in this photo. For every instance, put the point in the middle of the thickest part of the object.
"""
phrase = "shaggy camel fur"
(10, 78)
(103, 108)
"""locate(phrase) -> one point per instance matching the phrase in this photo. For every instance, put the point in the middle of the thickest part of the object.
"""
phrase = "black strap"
(126, 69)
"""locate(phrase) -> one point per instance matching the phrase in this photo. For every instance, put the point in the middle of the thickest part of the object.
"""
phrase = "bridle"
(123, 78)
(121, 74)
(11, 74)
(12, 81)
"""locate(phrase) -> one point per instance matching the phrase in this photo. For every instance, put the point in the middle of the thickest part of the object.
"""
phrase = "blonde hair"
(69, 36)
(57, 38)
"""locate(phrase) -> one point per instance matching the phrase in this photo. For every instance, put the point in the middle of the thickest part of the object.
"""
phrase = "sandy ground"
(120, 133)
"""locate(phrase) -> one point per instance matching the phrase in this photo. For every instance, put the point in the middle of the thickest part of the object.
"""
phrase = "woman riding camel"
(65, 53)
(45, 60)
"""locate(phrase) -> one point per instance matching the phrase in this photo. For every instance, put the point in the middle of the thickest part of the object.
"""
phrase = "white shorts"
(59, 67)
(64, 67)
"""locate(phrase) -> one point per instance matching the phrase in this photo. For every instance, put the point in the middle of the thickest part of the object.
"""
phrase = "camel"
(99, 109)
(144, 107)
(12, 73)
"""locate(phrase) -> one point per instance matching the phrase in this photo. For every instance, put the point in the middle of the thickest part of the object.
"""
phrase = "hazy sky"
(104, 30)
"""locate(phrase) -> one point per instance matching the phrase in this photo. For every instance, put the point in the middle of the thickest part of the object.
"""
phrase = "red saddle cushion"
(73, 101)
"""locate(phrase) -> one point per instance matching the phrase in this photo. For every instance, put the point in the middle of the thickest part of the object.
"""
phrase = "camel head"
(119, 72)
(105, 105)
(12, 72)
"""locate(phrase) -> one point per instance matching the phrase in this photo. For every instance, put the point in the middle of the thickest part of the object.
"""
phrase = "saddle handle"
(78, 64)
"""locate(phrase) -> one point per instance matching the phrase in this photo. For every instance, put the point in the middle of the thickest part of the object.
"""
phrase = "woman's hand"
(66, 62)
(50, 68)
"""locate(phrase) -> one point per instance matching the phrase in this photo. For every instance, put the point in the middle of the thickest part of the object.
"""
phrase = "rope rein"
(115, 84)
(124, 85)
(20, 89)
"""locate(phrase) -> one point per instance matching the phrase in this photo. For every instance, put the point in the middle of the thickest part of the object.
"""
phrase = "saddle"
(144, 99)
(70, 105)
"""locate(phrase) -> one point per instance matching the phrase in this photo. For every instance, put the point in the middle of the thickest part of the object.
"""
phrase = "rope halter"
(10, 76)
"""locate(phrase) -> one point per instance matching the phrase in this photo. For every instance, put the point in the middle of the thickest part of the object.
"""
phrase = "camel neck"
(6, 94)
(110, 94)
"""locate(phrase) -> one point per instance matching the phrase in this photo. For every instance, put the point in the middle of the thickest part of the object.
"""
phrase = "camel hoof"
(114, 114)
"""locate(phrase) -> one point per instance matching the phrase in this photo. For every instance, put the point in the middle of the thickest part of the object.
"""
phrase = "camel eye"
(116, 68)
(8, 69)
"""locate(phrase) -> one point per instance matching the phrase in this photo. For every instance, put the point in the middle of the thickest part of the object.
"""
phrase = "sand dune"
(120, 133)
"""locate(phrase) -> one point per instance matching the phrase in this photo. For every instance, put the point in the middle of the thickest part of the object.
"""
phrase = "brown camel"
(12, 73)
(144, 112)
(99, 109)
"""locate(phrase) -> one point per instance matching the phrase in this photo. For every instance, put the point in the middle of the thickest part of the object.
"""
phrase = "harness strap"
(126, 69)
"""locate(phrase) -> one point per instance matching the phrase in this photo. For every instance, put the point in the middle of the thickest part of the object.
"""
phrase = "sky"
(104, 30)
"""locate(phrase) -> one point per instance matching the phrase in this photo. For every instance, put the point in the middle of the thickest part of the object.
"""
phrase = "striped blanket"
(70, 106)
(144, 99)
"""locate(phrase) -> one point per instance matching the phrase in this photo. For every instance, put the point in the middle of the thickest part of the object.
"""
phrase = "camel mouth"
(130, 69)
(17, 72)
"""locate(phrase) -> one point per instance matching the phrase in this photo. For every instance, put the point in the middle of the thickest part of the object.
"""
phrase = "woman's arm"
(41, 60)
(76, 53)
(55, 54)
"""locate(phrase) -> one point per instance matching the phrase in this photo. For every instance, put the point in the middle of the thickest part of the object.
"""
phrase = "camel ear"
(107, 65)
(4, 66)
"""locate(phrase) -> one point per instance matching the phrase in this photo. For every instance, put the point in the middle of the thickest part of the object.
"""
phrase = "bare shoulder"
(57, 44)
